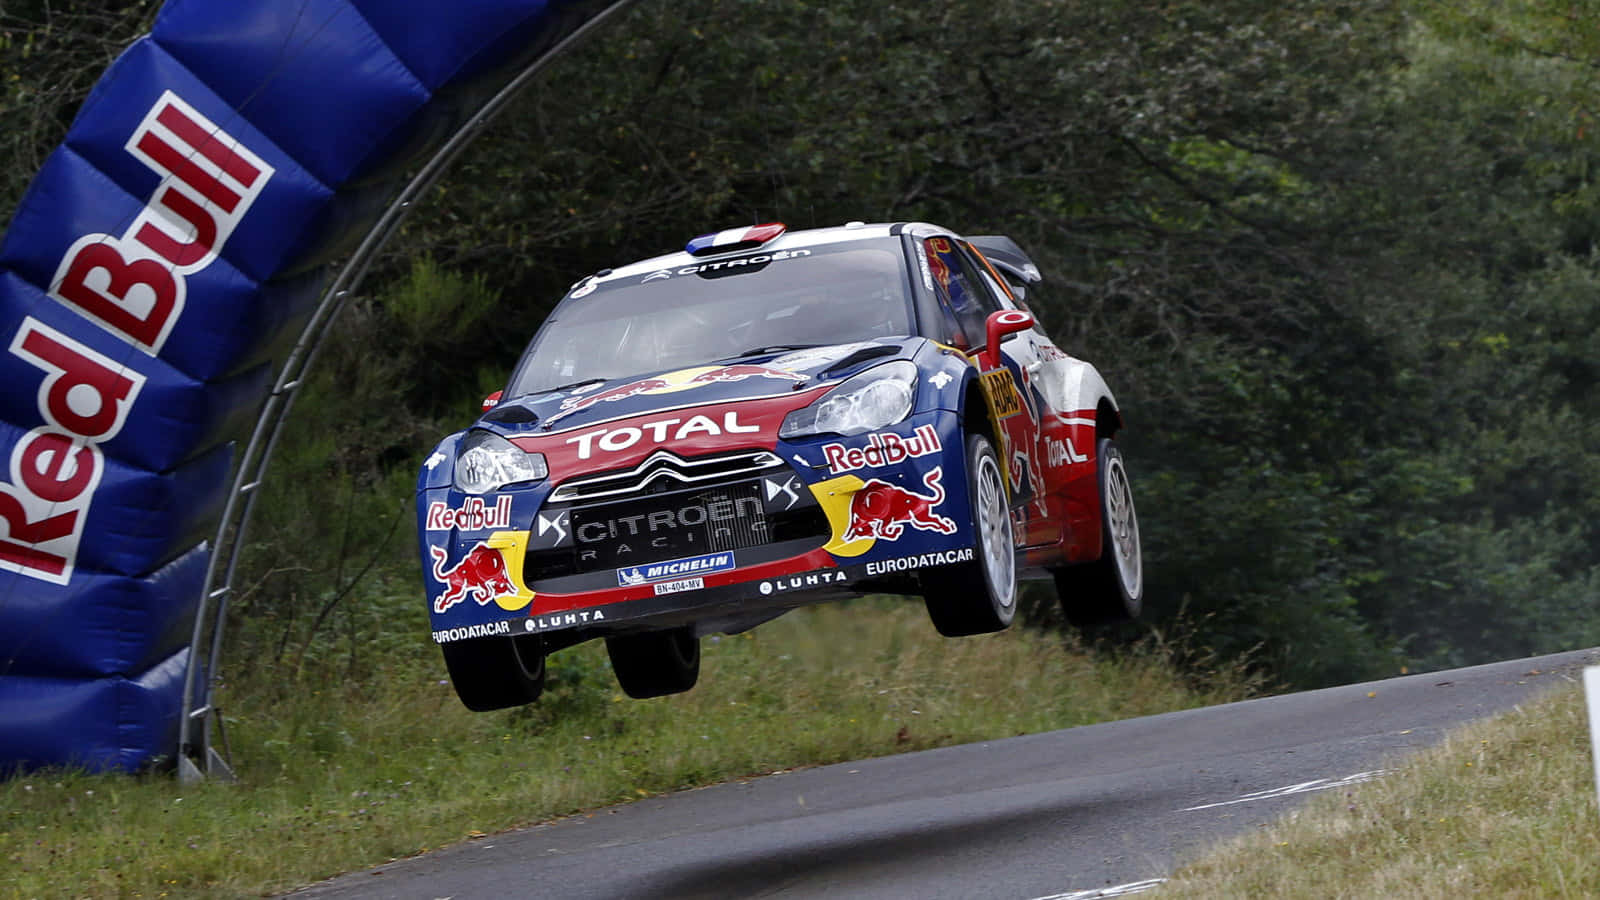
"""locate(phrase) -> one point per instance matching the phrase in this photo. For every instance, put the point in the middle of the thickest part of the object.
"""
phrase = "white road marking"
(1305, 787)
(1121, 890)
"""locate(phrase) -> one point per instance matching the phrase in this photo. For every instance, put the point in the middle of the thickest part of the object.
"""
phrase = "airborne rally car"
(700, 442)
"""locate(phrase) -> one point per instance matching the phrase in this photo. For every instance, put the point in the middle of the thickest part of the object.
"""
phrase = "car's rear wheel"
(496, 672)
(980, 596)
(655, 663)
(1110, 589)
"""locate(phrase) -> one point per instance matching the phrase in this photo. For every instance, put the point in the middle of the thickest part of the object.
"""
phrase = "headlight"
(876, 398)
(487, 462)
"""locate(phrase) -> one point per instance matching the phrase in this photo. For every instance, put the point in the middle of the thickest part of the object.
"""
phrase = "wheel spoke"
(1123, 526)
(994, 532)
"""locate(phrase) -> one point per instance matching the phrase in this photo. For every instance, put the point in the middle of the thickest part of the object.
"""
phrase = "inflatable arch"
(163, 285)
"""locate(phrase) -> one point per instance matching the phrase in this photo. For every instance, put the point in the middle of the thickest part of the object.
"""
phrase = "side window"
(1014, 294)
(962, 290)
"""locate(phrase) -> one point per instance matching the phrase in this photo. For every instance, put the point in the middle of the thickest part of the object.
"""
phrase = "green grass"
(338, 774)
(1503, 808)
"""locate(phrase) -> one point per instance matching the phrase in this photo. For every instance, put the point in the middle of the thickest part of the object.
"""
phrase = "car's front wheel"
(1110, 589)
(980, 596)
(655, 663)
(496, 672)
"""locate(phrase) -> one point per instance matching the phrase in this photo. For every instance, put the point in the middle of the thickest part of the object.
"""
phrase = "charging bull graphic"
(883, 510)
(683, 380)
(481, 573)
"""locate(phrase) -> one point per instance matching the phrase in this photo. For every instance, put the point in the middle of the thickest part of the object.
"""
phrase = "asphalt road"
(1040, 816)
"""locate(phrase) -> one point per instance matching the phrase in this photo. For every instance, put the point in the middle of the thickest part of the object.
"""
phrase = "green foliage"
(51, 53)
(1338, 260)
(330, 570)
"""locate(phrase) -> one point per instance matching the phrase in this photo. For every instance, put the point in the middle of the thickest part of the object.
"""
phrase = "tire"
(496, 672)
(656, 663)
(1110, 589)
(981, 596)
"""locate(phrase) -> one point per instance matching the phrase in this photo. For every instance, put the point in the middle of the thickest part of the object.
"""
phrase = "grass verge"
(341, 773)
(1503, 808)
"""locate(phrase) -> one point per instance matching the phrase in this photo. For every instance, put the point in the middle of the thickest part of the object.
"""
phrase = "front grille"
(655, 527)
(655, 523)
(664, 471)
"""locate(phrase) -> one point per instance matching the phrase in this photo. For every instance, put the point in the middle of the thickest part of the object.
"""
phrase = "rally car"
(700, 442)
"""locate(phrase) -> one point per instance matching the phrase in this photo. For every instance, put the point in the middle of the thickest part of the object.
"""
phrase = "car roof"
(789, 240)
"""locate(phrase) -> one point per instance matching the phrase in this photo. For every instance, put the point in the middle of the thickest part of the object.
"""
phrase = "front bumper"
(721, 536)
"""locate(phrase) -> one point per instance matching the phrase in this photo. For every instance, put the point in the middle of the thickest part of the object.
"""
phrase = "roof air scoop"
(734, 239)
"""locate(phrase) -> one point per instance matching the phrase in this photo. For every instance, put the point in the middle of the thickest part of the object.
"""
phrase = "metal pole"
(197, 702)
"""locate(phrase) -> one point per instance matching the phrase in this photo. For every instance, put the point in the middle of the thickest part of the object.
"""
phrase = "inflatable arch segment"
(165, 278)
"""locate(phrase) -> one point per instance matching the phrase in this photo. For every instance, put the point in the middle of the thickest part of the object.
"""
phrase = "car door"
(968, 291)
(1062, 387)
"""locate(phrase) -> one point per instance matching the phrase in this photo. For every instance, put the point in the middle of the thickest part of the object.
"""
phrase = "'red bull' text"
(133, 286)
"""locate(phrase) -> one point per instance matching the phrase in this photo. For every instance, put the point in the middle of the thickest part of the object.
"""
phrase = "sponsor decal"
(938, 248)
(920, 561)
(55, 469)
(585, 289)
(883, 510)
(534, 624)
(472, 516)
(1062, 452)
(133, 286)
(616, 440)
(1019, 469)
(803, 582)
(480, 574)
(757, 260)
(941, 379)
(746, 510)
(670, 383)
(941, 272)
(559, 524)
(677, 587)
(675, 568)
(885, 449)
(1001, 389)
(922, 263)
(467, 632)
(774, 488)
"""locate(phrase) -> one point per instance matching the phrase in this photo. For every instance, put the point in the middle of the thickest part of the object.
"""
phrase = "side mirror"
(491, 401)
(999, 324)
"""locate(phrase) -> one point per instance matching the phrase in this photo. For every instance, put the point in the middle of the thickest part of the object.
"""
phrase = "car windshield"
(718, 310)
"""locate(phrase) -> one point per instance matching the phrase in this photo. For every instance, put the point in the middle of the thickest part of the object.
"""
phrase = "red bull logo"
(481, 573)
(882, 450)
(473, 515)
(671, 382)
(740, 372)
(133, 286)
(883, 510)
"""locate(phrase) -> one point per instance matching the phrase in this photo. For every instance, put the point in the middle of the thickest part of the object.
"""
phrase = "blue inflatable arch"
(163, 285)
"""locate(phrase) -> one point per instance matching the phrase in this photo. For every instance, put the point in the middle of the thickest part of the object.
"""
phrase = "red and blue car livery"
(700, 442)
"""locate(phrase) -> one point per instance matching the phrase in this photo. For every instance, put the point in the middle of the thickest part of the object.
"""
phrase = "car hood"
(764, 375)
